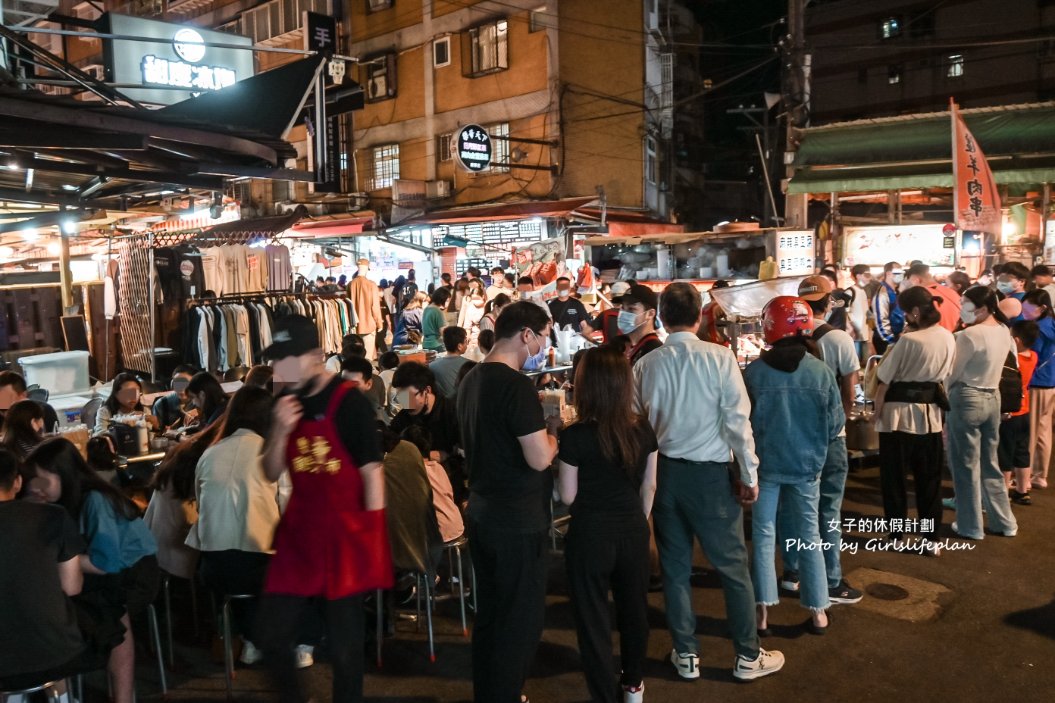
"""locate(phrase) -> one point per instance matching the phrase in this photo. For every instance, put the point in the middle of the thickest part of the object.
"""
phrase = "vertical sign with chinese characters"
(977, 201)
(320, 34)
(796, 251)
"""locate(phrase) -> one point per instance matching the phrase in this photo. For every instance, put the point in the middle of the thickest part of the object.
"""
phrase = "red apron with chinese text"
(327, 544)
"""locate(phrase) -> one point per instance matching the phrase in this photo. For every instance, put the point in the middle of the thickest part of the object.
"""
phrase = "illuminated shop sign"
(180, 58)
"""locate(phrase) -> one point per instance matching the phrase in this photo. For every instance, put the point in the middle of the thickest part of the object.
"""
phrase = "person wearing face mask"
(858, 313)
(637, 323)
(509, 447)
(947, 299)
(889, 318)
(526, 291)
(124, 400)
(331, 545)
(1012, 280)
(568, 311)
(908, 413)
(172, 408)
(982, 350)
(1037, 306)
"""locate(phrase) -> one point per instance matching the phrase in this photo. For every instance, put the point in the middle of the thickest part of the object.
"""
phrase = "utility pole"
(796, 89)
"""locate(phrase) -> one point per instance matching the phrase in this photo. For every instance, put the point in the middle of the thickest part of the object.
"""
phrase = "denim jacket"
(795, 417)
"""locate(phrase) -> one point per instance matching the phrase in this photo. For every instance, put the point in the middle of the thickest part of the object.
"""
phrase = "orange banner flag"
(976, 201)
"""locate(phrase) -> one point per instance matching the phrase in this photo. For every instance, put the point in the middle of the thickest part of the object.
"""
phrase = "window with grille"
(380, 83)
(386, 165)
(499, 147)
(279, 17)
(488, 48)
(651, 160)
(954, 66)
(443, 148)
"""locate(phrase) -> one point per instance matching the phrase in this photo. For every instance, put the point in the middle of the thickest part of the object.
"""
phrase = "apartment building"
(874, 58)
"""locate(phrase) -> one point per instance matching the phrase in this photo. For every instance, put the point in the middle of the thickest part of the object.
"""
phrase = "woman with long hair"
(982, 350)
(125, 399)
(408, 328)
(23, 428)
(1037, 306)
(454, 306)
(608, 478)
(492, 310)
(173, 509)
(208, 397)
(238, 508)
(908, 413)
(120, 569)
(471, 312)
(796, 413)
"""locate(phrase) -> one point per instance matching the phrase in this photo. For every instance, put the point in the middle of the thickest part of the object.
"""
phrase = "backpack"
(1010, 386)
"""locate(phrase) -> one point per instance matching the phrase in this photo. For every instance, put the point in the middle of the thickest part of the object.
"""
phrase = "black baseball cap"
(293, 335)
(640, 294)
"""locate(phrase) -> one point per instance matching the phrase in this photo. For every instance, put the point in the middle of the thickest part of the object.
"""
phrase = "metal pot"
(861, 434)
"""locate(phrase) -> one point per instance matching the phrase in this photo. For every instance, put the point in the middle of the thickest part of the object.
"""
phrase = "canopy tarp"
(915, 151)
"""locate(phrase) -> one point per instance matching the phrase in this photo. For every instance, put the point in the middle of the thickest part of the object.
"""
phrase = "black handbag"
(1010, 386)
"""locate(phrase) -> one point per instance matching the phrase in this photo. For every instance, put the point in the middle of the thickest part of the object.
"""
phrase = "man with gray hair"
(695, 398)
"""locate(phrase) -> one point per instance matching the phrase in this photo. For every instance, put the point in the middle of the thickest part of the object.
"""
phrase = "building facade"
(875, 58)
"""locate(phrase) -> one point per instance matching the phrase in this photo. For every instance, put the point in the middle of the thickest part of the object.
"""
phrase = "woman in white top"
(908, 416)
(470, 314)
(982, 349)
(238, 508)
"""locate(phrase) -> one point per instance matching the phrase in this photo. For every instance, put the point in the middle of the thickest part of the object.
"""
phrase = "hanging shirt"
(279, 268)
(191, 275)
(256, 268)
(213, 270)
(166, 262)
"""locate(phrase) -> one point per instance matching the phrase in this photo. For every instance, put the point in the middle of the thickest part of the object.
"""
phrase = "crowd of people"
(322, 479)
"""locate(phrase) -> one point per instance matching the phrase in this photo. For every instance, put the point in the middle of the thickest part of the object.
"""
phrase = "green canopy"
(915, 151)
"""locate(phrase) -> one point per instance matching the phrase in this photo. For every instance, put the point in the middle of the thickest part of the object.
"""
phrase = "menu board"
(902, 243)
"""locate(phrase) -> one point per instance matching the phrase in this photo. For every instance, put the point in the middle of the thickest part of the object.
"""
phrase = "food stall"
(735, 252)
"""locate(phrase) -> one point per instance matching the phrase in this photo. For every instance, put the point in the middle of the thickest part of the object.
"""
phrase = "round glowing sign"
(189, 45)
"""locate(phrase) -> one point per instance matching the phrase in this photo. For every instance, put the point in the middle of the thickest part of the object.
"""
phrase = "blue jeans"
(833, 485)
(696, 499)
(974, 435)
(800, 502)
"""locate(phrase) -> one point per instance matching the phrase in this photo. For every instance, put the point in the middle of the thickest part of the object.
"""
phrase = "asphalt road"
(973, 625)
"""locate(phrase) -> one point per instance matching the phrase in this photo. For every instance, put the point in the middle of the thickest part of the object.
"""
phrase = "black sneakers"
(844, 594)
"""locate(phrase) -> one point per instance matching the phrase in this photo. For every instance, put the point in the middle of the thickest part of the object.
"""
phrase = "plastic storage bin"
(63, 372)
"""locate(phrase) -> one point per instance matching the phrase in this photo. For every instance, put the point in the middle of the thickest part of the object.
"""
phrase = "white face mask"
(967, 312)
(563, 294)
(863, 281)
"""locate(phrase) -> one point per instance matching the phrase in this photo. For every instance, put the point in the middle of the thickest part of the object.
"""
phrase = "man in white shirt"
(839, 353)
(695, 398)
(862, 276)
(526, 291)
(498, 283)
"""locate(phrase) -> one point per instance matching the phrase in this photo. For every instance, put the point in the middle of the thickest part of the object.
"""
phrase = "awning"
(914, 151)
(504, 211)
(334, 227)
(255, 227)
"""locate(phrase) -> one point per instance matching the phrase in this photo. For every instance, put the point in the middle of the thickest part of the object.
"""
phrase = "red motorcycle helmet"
(786, 316)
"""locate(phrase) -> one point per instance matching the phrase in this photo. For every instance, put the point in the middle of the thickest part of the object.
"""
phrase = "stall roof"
(671, 237)
(915, 151)
(82, 154)
(503, 211)
(335, 226)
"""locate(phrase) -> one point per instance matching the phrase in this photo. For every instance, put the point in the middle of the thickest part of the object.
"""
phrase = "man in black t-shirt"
(421, 406)
(39, 571)
(567, 310)
(508, 449)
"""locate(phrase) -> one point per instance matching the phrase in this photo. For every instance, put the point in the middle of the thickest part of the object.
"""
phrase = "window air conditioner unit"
(437, 189)
(96, 71)
(377, 87)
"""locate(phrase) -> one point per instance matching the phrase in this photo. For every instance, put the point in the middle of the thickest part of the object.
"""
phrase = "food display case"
(743, 305)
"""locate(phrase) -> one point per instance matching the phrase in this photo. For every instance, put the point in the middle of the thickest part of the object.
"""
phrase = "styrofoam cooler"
(62, 372)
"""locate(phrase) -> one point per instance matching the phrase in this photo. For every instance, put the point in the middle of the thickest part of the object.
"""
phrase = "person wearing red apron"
(331, 546)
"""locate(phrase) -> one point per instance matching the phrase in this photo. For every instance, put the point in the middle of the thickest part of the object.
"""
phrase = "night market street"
(971, 625)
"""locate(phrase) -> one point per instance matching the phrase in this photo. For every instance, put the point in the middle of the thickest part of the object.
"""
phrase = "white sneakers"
(250, 654)
(634, 694)
(687, 665)
(764, 664)
(305, 656)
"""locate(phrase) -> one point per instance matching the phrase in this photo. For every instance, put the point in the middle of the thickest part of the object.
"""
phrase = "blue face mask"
(537, 361)
(1005, 287)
